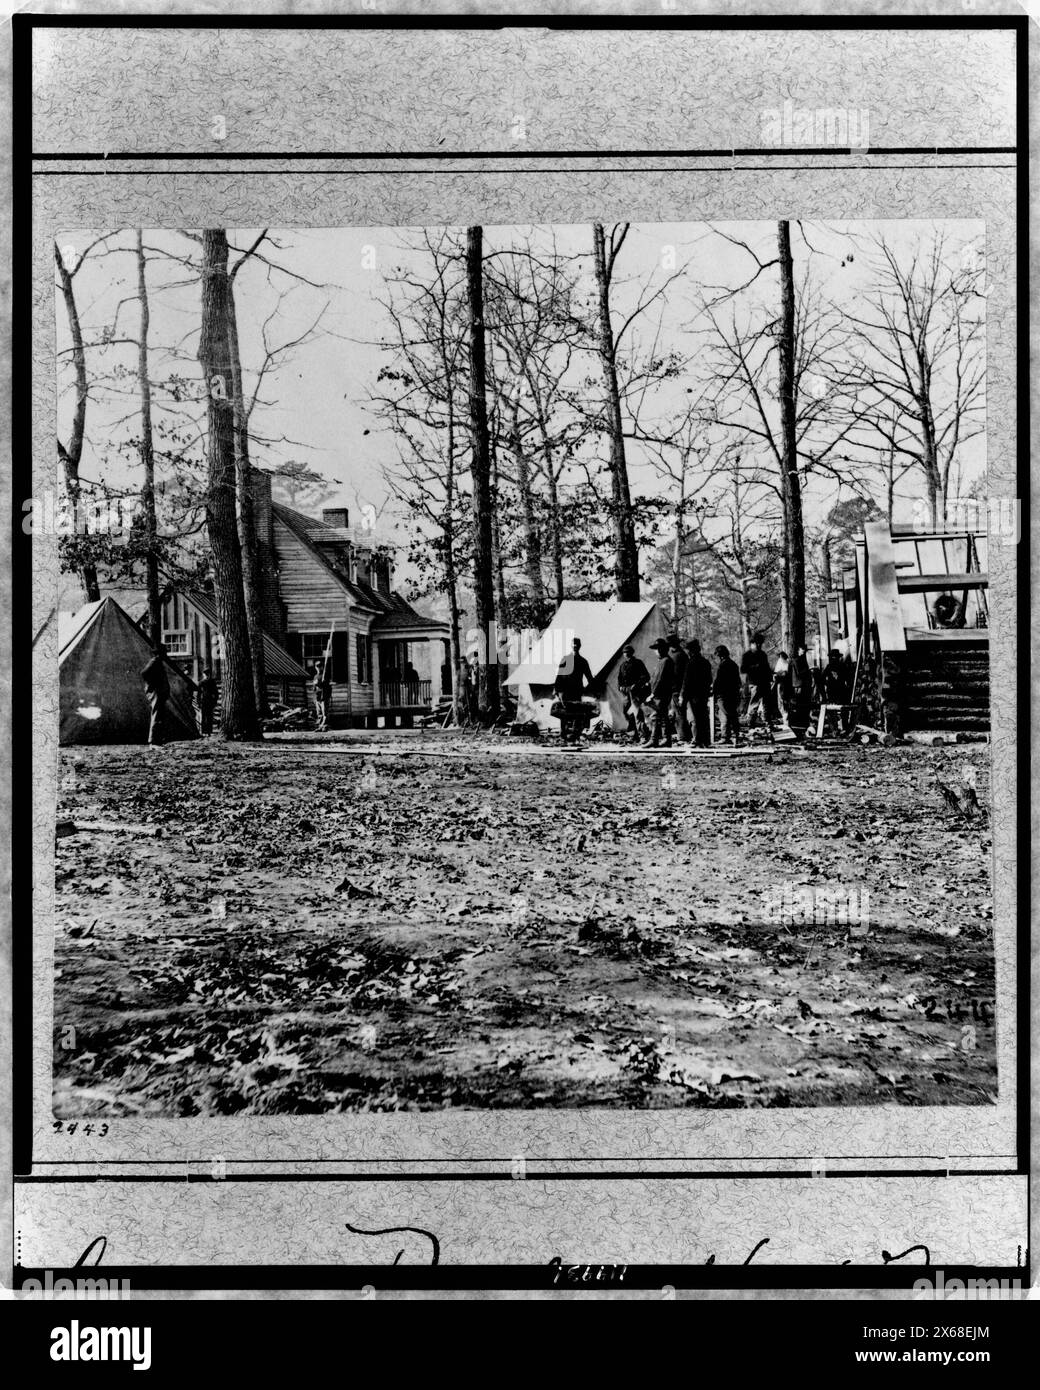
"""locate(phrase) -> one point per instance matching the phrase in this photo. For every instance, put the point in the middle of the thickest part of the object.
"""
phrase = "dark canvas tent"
(102, 699)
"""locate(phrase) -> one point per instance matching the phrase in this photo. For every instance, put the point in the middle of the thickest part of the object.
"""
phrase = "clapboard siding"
(313, 598)
(364, 692)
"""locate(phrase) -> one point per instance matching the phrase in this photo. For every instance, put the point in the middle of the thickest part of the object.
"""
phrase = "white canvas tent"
(604, 629)
(102, 700)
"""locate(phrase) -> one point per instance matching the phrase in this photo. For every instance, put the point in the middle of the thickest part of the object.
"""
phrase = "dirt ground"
(390, 921)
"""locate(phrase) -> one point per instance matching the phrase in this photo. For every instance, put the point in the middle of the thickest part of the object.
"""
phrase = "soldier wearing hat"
(662, 686)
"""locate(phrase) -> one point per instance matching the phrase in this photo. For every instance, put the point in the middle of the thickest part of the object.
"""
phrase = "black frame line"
(767, 151)
(301, 1277)
(705, 1275)
(478, 173)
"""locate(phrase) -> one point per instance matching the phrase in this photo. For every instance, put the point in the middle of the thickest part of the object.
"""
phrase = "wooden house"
(390, 664)
(191, 635)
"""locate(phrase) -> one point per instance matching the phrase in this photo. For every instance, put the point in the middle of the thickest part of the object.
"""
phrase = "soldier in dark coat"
(757, 672)
(573, 678)
(207, 697)
(726, 689)
(697, 693)
(157, 692)
(801, 689)
(677, 656)
(662, 687)
(634, 683)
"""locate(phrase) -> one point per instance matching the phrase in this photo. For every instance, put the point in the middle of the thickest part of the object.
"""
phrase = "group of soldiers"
(672, 703)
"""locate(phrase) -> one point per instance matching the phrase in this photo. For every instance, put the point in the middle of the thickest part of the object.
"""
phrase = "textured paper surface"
(358, 92)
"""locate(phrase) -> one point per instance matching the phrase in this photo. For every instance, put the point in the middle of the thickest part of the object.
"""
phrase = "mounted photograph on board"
(522, 667)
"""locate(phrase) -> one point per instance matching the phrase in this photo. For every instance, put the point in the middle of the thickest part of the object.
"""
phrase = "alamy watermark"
(967, 1290)
(807, 126)
(791, 904)
(54, 514)
(1000, 517)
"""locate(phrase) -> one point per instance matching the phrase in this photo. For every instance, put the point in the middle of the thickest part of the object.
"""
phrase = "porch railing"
(398, 694)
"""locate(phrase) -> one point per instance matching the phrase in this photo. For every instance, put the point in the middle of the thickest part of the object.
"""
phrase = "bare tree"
(483, 562)
(790, 478)
(70, 453)
(244, 500)
(774, 393)
(626, 569)
(239, 719)
(917, 373)
(151, 529)
(535, 331)
(420, 394)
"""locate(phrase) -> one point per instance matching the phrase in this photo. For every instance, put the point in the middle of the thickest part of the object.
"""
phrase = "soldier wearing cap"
(662, 686)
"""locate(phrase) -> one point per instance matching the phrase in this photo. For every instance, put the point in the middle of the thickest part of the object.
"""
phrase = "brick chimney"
(336, 516)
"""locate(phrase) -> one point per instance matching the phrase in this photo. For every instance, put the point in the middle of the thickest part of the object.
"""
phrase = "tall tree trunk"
(556, 538)
(737, 537)
(626, 563)
(677, 554)
(501, 601)
(238, 707)
(70, 454)
(246, 523)
(791, 487)
(451, 578)
(503, 614)
(151, 529)
(483, 565)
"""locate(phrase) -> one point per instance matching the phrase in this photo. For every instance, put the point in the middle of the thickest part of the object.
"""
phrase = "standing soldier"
(662, 684)
(801, 689)
(677, 656)
(697, 693)
(157, 691)
(726, 690)
(323, 691)
(755, 668)
(573, 678)
(634, 684)
(207, 698)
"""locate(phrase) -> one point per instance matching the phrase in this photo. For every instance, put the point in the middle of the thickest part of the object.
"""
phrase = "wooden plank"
(901, 536)
(935, 583)
(886, 610)
(978, 635)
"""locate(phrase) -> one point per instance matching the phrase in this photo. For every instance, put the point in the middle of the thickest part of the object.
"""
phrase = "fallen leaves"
(478, 934)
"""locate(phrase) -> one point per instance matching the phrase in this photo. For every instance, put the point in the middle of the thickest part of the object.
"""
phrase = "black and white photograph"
(522, 667)
(520, 607)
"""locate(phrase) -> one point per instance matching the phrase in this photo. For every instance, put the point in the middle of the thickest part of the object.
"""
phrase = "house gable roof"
(311, 533)
(394, 612)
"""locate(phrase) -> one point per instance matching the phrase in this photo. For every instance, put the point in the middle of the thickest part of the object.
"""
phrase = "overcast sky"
(317, 399)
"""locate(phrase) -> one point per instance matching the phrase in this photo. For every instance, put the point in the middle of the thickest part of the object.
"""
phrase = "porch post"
(434, 648)
(374, 674)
